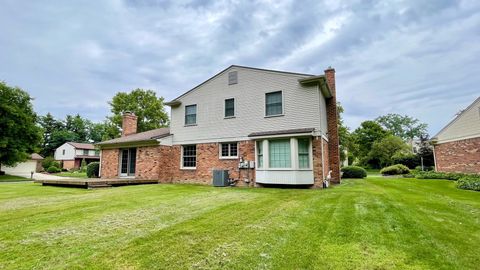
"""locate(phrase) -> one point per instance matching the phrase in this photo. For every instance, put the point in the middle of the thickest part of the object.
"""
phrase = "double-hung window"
(229, 150)
(303, 153)
(260, 154)
(229, 107)
(190, 115)
(189, 156)
(273, 103)
(85, 152)
(279, 153)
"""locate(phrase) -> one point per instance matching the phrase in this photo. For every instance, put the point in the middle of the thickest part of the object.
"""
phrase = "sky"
(419, 58)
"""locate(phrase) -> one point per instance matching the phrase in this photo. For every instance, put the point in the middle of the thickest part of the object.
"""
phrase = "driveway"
(42, 176)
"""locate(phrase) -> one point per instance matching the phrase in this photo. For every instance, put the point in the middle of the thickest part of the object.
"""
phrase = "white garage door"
(24, 167)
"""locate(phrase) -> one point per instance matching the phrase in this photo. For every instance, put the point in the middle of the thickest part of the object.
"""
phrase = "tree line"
(23, 132)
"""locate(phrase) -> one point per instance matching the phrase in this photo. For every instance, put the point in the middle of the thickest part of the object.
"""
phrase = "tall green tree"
(19, 134)
(388, 147)
(364, 137)
(78, 126)
(344, 135)
(149, 109)
(403, 126)
(49, 125)
(103, 131)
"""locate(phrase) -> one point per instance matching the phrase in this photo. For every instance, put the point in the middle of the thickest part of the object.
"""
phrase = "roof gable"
(86, 146)
(465, 125)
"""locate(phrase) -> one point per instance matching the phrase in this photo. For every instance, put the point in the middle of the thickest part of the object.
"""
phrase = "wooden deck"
(94, 182)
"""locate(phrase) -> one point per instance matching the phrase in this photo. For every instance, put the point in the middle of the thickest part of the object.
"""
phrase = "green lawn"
(362, 224)
(12, 178)
(73, 174)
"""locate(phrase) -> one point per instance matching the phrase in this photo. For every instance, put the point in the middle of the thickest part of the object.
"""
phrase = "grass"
(72, 174)
(373, 223)
(12, 178)
(373, 172)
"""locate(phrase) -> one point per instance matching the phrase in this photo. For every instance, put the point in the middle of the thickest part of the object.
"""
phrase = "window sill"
(229, 117)
(188, 168)
(228, 157)
(275, 115)
(190, 125)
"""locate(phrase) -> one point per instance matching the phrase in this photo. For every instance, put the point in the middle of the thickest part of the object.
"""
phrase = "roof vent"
(232, 77)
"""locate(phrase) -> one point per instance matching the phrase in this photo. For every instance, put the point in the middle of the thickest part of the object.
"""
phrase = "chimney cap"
(128, 113)
(330, 69)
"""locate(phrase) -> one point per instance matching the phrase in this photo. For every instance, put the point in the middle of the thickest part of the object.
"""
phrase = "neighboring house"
(71, 154)
(457, 146)
(262, 126)
(34, 164)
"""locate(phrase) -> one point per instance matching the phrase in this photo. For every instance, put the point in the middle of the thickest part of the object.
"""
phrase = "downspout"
(321, 132)
(100, 165)
(434, 158)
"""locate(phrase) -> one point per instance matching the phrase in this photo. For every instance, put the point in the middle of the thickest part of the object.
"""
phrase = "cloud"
(411, 57)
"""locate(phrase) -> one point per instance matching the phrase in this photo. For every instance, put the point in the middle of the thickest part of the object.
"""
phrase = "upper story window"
(229, 107)
(63, 152)
(229, 150)
(190, 115)
(273, 103)
(85, 152)
(189, 156)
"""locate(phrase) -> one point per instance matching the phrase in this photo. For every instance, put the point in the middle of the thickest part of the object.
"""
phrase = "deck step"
(98, 185)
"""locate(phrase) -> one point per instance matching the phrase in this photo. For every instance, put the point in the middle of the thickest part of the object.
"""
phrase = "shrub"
(49, 162)
(83, 166)
(53, 169)
(395, 169)
(425, 168)
(439, 175)
(470, 182)
(93, 169)
(354, 172)
(409, 160)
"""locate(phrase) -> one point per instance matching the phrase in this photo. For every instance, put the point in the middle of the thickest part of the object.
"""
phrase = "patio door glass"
(127, 161)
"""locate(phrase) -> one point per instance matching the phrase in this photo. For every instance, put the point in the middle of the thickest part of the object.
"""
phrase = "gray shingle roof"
(88, 146)
(281, 132)
(36, 156)
(139, 137)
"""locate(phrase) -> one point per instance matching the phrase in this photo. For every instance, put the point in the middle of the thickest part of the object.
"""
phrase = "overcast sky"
(420, 58)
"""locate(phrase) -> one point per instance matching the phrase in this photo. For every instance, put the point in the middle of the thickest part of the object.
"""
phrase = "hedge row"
(464, 181)
(439, 175)
(469, 182)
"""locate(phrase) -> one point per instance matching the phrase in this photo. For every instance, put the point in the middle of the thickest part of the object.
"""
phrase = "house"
(71, 154)
(457, 145)
(259, 126)
(34, 164)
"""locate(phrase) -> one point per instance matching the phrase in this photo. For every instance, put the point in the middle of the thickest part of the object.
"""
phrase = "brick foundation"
(320, 164)
(458, 156)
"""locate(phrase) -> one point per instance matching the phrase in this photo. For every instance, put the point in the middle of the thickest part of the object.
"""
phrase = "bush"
(425, 168)
(409, 160)
(395, 169)
(470, 182)
(354, 172)
(93, 169)
(49, 162)
(83, 166)
(53, 169)
(439, 175)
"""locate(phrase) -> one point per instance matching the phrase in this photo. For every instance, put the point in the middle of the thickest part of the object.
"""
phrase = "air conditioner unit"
(220, 178)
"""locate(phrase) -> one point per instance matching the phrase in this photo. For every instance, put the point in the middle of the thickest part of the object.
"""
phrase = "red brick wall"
(68, 164)
(129, 124)
(109, 160)
(459, 156)
(149, 160)
(332, 116)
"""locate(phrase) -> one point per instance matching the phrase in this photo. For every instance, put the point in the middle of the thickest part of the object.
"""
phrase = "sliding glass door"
(128, 158)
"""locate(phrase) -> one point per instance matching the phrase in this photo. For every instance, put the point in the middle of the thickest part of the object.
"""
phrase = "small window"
(232, 77)
(230, 107)
(190, 115)
(303, 153)
(189, 156)
(260, 154)
(85, 152)
(279, 154)
(229, 150)
(97, 153)
(273, 103)
(63, 152)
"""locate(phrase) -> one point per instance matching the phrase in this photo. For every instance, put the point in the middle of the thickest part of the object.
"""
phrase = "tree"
(425, 151)
(364, 137)
(19, 134)
(78, 126)
(344, 135)
(103, 131)
(147, 107)
(405, 127)
(49, 125)
(387, 148)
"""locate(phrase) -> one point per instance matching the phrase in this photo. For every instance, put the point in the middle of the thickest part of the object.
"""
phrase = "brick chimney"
(332, 127)
(129, 124)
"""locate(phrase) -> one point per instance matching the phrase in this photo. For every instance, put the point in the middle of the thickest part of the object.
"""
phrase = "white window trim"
(265, 105)
(227, 157)
(234, 108)
(295, 165)
(185, 115)
(181, 159)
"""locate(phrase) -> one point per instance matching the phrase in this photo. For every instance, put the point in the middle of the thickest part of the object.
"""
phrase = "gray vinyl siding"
(466, 125)
(303, 107)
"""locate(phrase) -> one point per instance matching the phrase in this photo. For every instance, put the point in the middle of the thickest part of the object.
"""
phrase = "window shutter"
(232, 77)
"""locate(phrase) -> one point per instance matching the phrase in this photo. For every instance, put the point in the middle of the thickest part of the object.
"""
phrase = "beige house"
(34, 164)
(71, 154)
(457, 145)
